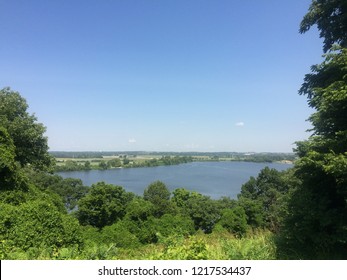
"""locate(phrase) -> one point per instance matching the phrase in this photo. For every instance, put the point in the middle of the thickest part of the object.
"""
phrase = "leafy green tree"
(114, 163)
(159, 195)
(254, 212)
(331, 19)
(87, 165)
(26, 133)
(70, 190)
(103, 165)
(139, 210)
(204, 211)
(10, 176)
(316, 226)
(234, 220)
(265, 198)
(318, 212)
(139, 220)
(103, 205)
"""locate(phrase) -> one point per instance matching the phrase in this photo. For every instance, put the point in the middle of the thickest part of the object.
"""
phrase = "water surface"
(215, 179)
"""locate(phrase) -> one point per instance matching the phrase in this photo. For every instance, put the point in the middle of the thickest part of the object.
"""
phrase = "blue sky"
(161, 75)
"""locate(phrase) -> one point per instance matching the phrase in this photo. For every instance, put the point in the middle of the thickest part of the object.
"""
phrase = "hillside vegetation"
(300, 213)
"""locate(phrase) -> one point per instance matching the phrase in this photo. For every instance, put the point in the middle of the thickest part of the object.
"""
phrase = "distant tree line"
(124, 162)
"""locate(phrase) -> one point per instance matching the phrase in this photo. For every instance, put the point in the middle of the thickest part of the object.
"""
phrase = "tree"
(331, 19)
(158, 194)
(316, 226)
(234, 220)
(204, 211)
(114, 163)
(8, 168)
(139, 210)
(103, 165)
(103, 205)
(26, 133)
(265, 198)
(87, 165)
(318, 209)
(70, 190)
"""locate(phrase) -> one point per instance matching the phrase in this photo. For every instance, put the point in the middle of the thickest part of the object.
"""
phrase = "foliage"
(119, 236)
(178, 248)
(159, 195)
(256, 247)
(234, 220)
(265, 198)
(26, 133)
(103, 205)
(70, 190)
(169, 225)
(201, 209)
(139, 210)
(37, 224)
(331, 19)
(316, 224)
(10, 175)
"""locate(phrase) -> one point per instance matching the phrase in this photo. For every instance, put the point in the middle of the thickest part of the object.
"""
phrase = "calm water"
(215, 179)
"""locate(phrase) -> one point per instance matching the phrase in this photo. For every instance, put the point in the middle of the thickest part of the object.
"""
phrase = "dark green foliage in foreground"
(32, 221)
(318, 209)
(316, 224)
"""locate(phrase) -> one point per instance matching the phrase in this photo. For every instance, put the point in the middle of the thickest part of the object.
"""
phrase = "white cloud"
(132, 140)
(240, 124)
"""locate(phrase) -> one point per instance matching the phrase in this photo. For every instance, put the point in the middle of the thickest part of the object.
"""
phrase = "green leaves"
(330, 17)
(103, 205)
(159, 195)
(37, 224)
(316, 224)
(26, 133)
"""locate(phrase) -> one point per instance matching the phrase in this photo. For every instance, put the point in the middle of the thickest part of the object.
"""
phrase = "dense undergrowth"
(215, 246)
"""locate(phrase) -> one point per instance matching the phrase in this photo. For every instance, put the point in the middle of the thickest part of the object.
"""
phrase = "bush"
(37, 224)
(234, 220)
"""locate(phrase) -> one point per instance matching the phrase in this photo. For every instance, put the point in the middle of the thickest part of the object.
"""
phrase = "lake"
(215, 179)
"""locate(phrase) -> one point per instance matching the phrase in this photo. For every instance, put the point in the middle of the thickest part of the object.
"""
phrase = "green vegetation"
(300, 213)
(316, 224)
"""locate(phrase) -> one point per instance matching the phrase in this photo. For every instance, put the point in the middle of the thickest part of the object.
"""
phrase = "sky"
(161, 75)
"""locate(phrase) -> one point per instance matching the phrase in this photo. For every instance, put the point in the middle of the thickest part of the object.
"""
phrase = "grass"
(215, 246)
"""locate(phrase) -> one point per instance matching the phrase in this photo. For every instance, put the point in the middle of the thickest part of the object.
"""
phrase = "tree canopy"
(26, 133)
(331, 19)
(317, 222)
